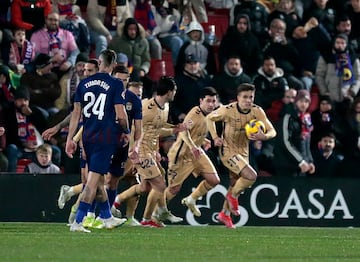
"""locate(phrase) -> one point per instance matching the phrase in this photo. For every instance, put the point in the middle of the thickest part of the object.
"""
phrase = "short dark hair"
(120, 69)
(208, 91)
(94, 62)
(245, 87)
(166, 84)
(109, 56)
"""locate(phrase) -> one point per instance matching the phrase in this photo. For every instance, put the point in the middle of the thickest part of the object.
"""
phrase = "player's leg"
(211, 179)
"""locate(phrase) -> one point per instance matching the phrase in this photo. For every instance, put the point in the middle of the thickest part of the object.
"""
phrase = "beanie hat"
(42, 60)
(302, 94)
(122, 58)
(21, 92)
(81, 57)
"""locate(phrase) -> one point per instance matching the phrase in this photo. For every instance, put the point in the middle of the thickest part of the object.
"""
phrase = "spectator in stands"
(130, 40)
(324, 14)
(285, 10)
(26, 124)
(6, 95)
(227, 82)
(30, 15)
(190, 83)
(247, 45)
(144, 15)
(338, 71)
(3, 159)
(349, 137)
(344, 26)
(274, 111)
(71, 20)
(168, 27)
(328, 163)
(103, 18)
(5, 32)
(284, 52)
(22, 52)
(68, 83)
(270, 83)
(56, 42)
(353, 11)
(43, 85)
(323, 119)
(42, 163)
(257, 14)
(196, 45)
(292, 144)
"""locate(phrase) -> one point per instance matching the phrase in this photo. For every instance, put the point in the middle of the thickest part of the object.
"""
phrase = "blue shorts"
(82, 160)
(118, 161)
(98, 157)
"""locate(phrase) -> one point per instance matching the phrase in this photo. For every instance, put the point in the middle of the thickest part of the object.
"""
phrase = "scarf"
(26, 131)
(306, 125)
(65, 9)
(23, 54)
(344, 68)
(54, 42)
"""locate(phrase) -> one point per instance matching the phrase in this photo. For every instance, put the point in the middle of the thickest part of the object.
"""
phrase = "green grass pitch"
(54, 242)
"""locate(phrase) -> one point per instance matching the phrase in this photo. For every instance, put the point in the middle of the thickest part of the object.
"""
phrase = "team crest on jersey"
(128, 106)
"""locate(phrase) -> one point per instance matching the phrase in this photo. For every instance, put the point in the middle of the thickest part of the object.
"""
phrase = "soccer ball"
(253, 127)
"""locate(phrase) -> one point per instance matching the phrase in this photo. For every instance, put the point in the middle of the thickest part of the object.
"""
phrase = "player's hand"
(180, 127)
(218, 141)
(311, 168)
(50, 132)
(304, 166)
(70, 148)
(260, 135)
(196, 151)
(134, 155)
(126, 139)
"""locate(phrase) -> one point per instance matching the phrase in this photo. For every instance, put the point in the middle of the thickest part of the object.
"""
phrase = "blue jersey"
(98, 94)
(133, 107)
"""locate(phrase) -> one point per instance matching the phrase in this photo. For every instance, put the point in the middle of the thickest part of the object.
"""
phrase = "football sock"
(168, 195)
(151, 202)
(92, 207)
(111, 195)
(132, 191)
(201, 190)
(131, 205)
(240, 185)
(104, 210)
(75, 190)
(117, 202)
(81, 211)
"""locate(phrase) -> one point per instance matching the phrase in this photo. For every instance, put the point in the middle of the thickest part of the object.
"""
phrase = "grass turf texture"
(54, 242)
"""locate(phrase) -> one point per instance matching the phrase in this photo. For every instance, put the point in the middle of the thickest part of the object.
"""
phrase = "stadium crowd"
(294, 52)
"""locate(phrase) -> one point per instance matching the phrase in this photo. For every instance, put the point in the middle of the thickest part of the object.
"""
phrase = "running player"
(234, 145)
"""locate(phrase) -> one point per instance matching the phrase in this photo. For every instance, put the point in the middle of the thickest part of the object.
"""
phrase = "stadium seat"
(21, 164)
(159, 68)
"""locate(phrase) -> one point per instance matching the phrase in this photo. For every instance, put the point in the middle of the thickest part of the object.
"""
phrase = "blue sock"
(92, 207)
(82, 211)
(104, 209)
(111, 195)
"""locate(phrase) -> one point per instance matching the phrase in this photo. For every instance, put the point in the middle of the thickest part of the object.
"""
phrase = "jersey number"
(95, 106)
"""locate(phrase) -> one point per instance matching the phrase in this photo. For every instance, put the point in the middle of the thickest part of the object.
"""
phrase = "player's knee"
(213, 180)
(249, 173)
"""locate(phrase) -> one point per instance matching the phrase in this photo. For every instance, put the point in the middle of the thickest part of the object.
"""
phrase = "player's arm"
(50, 132)
(270, 130)
(215, 116)
(121, 117)
(74, 121)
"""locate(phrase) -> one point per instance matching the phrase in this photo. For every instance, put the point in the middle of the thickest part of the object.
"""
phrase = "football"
(253, 127)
